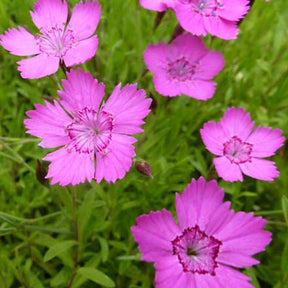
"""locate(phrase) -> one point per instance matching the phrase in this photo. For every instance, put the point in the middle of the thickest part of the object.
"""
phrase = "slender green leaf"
(104, 248)
(58, 248)
(96, 276)
(285, 208)
(136, 257)
(84, 213)
(251, 272)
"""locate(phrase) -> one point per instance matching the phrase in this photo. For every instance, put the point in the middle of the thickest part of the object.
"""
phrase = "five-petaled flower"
(206, 244)
(72, 44)
(94, 137)
(184, 67)
(217, 17)
(199, 17)
(240, 148)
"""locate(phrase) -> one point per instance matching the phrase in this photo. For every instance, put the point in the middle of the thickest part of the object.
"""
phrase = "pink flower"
(240, 148)
(73, 43)
(93, 137)
(184, 67)
(217, 17)
(209, 241)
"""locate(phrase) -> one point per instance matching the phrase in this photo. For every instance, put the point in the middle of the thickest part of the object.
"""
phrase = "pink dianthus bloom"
(217, 17)
(73, 43)
(184, 67)
(206, 244)
(240, 148)
(94, 137)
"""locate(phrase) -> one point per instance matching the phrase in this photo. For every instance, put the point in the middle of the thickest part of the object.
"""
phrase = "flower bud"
(41, 173)
(143, 167)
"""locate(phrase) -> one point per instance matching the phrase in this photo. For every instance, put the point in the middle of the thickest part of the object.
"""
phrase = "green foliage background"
(37, 223)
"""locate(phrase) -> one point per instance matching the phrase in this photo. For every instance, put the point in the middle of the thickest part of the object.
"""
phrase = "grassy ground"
(35, 218)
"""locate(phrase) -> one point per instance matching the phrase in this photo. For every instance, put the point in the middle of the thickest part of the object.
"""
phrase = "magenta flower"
(206, 244)
(217, 17)
(93, 138)
(73, 43)
(184, 67)
(240, 148)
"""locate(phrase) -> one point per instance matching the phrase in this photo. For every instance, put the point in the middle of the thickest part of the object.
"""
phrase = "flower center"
(196, 251)
(90, 131)
(205, 7)
(55, 41)
(181, 69)
(237, 151)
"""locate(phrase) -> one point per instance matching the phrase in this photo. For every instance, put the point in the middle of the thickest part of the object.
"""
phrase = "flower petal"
(192, 47)
(198, 89)
(189, 20)
(169, 274)
(154, 233)
(128, 106)
(81, 90)
(228, 171)
(155, 57)
(236, 122)
(84, 20)
(227, 277)
(204, 281)
(233, 10)
(198, 203)
(260, 169)
(48, 122)
(155, 5)
(242, 237)
(213, 137)
(81, 51)
(38, 66)
(221, 215)
(165, 86)
(70, 167)
(221, 28)
(265, 141)
(116, 160)
(50, 13)
(210, 65)
(19, 42)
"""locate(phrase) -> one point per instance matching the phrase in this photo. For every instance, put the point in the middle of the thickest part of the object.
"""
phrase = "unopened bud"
(41, 173)
(143, 167)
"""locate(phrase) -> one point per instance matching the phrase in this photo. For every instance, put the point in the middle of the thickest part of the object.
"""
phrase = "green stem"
(20, 140)
(76, 237)
(266, 213)
(55, 79)
(64, 68)
(3, 280)
(25, 220)
(276, 223)
(15, 157)
(44, 229)
(277, 82)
